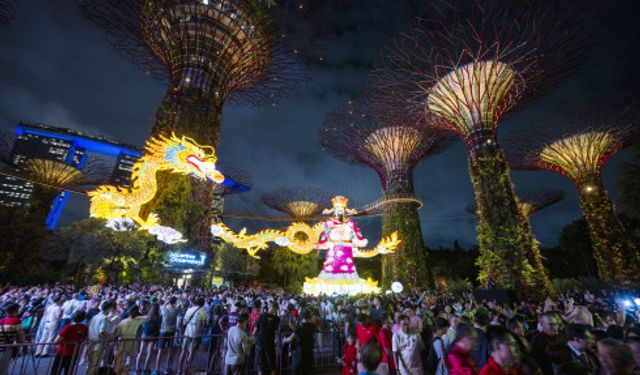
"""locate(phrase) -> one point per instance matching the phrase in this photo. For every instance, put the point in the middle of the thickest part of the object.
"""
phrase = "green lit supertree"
(589, 140)
(470, 63)
(392, 147)
(211, 52)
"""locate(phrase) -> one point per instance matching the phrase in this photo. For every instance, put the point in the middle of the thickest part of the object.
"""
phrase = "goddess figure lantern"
(342, 239)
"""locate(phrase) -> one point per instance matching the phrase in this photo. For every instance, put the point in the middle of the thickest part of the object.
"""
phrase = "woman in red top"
(365, 331)
(385, 335)
(349, 357)
(69, 339)
(459, 359)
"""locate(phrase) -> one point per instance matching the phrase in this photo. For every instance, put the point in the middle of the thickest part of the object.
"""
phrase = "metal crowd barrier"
(178, 355)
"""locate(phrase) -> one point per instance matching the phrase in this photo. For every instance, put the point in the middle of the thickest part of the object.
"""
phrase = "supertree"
(7, 11)
(299, 203)
(50, 177)
(392, 147)
(532, 200)
(470, 64)
(211, 51)
(589, 139)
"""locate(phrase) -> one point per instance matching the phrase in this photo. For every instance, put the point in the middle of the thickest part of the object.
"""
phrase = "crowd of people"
(142, 327)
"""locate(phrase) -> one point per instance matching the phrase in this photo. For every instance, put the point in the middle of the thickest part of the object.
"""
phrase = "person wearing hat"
(51, 318)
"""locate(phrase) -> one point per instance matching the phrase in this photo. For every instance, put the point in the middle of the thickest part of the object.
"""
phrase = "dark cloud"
(56, 68)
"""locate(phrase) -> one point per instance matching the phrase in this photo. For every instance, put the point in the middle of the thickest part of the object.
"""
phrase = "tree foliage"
(90, 248)
(292, 268)
(234, 264)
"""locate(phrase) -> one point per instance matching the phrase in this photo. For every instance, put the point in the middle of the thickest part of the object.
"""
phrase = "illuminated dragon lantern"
(179, 155)
(338, 235)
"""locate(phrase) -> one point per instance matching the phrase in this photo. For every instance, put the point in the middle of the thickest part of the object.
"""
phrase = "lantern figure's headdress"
(340, 201)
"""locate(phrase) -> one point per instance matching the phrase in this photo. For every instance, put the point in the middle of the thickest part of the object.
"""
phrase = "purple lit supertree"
(211, 51)
(578, 146)
(391, 147)
(469, 63)
(7, 11)
(298, 203)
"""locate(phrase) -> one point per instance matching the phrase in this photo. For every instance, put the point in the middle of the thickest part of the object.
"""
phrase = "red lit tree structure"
(300, 204)
(392, 147)
(211, 51)
(589, 140)
(7, 11)
(470, 64)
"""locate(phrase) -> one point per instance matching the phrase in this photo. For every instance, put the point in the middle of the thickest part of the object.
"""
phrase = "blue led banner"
(187, 259)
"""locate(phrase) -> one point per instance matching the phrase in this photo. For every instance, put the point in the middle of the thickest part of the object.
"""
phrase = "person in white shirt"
(406, 346)
(99, 332)
(194, 320)
(238, 347)
(51, 319)
(68, 308)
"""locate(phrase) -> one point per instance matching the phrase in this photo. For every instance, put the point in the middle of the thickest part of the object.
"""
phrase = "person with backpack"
(194, 320)
(436, 357)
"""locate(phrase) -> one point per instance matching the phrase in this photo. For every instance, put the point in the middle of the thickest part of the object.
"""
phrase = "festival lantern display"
(470, 64)
(179, 155)
(590, 139)
(338, 235)
(392, 147)
(211, 52)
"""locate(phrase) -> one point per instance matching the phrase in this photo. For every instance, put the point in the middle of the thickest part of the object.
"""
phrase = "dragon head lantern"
(187, 157)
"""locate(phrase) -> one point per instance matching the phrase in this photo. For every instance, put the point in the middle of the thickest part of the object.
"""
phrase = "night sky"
(56, 68)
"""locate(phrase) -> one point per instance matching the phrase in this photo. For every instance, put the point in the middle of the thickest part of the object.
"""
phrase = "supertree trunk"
(504, 248)
(409, 264)
(542, 286)
(40, 202)
(183, 202)
(615, 254)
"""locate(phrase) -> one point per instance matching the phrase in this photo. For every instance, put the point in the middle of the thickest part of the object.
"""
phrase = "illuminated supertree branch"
(532, 200)
(470, 64)
(239, 176)
(589, 141)
(392, 149)
(211, 51)
(298, 203)
(7, 11)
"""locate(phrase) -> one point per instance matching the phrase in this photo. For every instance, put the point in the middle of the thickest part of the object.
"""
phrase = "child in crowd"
(349, 356)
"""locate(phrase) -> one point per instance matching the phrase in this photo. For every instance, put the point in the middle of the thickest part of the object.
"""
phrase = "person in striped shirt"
(10, 333)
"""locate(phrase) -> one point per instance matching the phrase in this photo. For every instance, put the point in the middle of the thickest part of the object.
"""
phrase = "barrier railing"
(164, 355)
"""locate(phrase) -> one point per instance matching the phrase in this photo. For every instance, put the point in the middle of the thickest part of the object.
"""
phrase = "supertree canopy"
(392, 148)
(469, 64)
(298, 203)
(532, 200)
(589, 141)
(247, 51)
(7, 11)
(50, 177)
